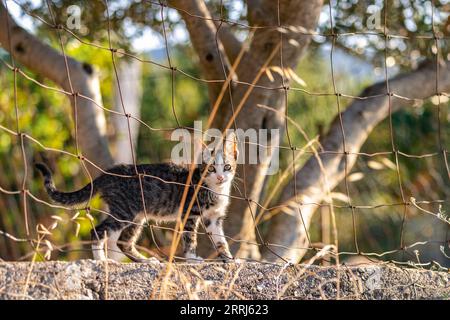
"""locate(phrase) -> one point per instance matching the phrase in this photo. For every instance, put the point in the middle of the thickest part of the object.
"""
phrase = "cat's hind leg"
(127, 243)
(114, 252)
(103, 238)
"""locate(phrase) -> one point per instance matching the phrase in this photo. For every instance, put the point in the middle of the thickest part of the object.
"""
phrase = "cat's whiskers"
(239, 179)
(235, 186)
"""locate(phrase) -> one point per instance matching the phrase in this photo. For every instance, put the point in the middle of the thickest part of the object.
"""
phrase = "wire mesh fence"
(35, 237)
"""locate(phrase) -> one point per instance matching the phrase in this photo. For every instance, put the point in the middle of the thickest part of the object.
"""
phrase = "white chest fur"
(223, 193)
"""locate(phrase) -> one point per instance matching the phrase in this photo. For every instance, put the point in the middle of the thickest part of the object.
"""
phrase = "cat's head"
(220, 164)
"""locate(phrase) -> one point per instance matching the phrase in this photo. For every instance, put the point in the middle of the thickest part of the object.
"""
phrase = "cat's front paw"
(231, 259)
(151, 260)
(194, 259)
(226, 258)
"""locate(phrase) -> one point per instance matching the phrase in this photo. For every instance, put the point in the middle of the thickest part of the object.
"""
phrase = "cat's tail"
(70, 199)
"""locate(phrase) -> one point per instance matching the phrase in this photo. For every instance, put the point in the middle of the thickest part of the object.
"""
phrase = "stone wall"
(88, 279)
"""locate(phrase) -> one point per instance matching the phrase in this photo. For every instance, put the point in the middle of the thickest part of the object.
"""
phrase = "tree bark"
(231, 44)
(129, 79)
(359, 119)
(46, 61)
(202, 32)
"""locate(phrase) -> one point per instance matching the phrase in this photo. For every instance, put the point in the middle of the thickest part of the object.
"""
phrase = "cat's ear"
(231, 145)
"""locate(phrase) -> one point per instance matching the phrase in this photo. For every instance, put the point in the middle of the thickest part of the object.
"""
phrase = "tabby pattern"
(162, 190)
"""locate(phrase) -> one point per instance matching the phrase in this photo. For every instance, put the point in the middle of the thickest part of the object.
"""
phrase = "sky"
(150, 40)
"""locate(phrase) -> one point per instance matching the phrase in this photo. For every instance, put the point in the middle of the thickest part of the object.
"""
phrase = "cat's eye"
(211, 169)
(227, 167)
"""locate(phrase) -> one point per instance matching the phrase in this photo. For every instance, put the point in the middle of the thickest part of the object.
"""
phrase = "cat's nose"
(220, 177)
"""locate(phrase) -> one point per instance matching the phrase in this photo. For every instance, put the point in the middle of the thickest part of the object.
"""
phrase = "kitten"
(163, 197)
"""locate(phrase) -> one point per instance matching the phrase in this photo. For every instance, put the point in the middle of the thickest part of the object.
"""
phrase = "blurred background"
(358, 61)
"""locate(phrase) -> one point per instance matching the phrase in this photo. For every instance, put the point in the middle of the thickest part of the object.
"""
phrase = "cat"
(162, 188)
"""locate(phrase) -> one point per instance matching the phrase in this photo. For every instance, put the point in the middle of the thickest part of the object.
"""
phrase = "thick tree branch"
(130, 93)
(44, 60)
(359, 119)
(230, 42)
(297, 20)
(202, 32)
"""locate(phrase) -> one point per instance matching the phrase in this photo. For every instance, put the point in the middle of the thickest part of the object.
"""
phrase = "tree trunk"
(298, 18)
(359, 119)
(129, 79)
(46, 61)
(298, 14)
